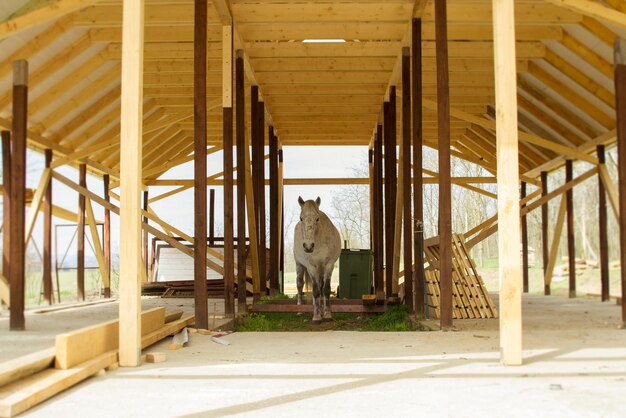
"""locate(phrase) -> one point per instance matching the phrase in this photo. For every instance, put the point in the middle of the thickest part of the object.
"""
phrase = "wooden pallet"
(470, 299)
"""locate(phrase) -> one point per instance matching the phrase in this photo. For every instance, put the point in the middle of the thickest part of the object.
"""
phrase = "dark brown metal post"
(544, 231)
(524, 243)
(406, 179)
(240, 106)
(603, 237)
(418, 206)
(445, 193)
(274, 258)
(212, 216)
(6, 207)
(620, 99)
(18, 187)
(80, 234)
(47, 237)
(200, 165)
(571, 249)
(379, 251)
(229, 245)
(107, 235)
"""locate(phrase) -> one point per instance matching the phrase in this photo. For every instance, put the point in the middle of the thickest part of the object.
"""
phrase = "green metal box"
(355, 273)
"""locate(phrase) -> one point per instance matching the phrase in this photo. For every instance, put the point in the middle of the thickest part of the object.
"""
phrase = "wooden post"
(274, 230)
(390, 191)
(544, 231)
(200, 168)
(240, 106)
(80, 234)
(524, 242)
(602, 223)
(379, 251)
(254, 145)
(16, 225)
(571, 249)
(106, 239)
(229, 245)
(260, 203)
(508, 181)
(131, 121)
(281, 221)
(145, 234)
(418, 206)
(6, 199)
(212, 216)
(252, 192)
(445, 193)
(406, 179)
(47, 237)
(620, 99)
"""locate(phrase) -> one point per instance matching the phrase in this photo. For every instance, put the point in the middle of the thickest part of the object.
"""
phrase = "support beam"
(47, 236)
(80, 234)
(524, 242)
(200, 164)
(406, 182)
(544, 230)
(241, 185)
(602, 233)
(6, 207)
(211, 217)
(508, 180)
(593, 9)
(131, 125)
(145, 234)
(571, 237)
(260, 202)
(620, 98)
(227, 112)
(107, 235)
(556, 239)
(274, 208)
(95, 239)
(445, 193)
(379, 211)
(16, 227)
(390, 188)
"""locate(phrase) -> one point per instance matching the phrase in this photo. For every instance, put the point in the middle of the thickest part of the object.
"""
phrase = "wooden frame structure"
(182, 91)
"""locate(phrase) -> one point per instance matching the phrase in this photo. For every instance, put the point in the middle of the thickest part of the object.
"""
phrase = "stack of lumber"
(29, 380)
(470, 299)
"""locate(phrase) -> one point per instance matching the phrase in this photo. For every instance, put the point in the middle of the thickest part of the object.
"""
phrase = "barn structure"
(126, 90)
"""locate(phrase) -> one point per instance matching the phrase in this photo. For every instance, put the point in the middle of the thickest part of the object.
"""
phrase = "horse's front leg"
(299, 280)
(317, 311)
(327, 315)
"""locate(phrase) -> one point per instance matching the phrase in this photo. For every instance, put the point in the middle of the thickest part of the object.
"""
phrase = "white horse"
(316, 248)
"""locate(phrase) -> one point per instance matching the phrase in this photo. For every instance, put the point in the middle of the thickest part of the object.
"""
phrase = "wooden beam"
(260, 201)
(524, 242)
(131, 125)
(95, 239)
(31, 218)
(240, 116)
(390, 188)
(274, 208)
(418, 205)
(571, 249)
(200, 129)
(47, 236)
(107, 235)
(610, 188)
(406, 183)
(16, 227)
(544, 229)
(80, 235)
(593, 9)
(6, 215)
(227, 96)
(554, 248)
(144, 251)
(561, 189)
(379, 210)
(620, 99)
(603, 239)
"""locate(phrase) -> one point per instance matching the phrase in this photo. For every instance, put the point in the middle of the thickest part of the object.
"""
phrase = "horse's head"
(309, 218)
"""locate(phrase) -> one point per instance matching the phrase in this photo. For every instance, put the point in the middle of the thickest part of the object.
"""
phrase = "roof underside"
(314, 93)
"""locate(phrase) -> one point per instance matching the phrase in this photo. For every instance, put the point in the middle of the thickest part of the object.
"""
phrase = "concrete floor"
(575, 365)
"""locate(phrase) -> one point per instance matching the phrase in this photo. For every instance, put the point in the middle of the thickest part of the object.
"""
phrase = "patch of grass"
(396, 318)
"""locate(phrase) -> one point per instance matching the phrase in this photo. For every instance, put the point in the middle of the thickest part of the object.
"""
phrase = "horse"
(317, 246)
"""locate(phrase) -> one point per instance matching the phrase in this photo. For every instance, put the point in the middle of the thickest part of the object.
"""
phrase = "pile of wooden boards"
(29, 380)
(470, 299)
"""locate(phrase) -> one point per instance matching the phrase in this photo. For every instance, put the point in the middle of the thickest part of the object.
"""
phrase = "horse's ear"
(318, 201)
(300, 201)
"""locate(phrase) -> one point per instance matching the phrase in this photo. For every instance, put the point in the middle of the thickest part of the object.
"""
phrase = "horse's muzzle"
(308, 248)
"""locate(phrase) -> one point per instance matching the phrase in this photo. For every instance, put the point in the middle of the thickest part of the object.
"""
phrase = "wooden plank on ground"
(84, 344)
(169, 329)
(26, 393)
(21, 367)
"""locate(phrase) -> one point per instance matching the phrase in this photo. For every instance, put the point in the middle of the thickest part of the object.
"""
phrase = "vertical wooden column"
(508, 180)
(406, 179)
(602, 223)
(571, 240)
(281, 220)
(6, 207)
(445, 192)
(620, 98)
(229, 244)
(18, 187)
(390, 189)
(379, 251)
(212, 217)
(200, 165)
(145, 234)
(524, 242)
(131, 121)
(240, 106)
(260, 203)
(47, 237)
(544, 232)
(253, 202)
(80, 234)
(106, 239)
(274, 227)
(418, 205)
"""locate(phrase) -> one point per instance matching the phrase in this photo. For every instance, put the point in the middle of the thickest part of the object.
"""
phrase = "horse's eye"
(318, 219)
(300, 219)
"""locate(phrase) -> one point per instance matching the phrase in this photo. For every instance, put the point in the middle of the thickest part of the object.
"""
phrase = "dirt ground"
(574, 365)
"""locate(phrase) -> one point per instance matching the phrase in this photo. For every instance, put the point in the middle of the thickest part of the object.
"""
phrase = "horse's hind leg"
(317, 309)
(300, 280)
(327, 315)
